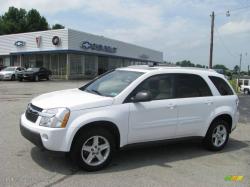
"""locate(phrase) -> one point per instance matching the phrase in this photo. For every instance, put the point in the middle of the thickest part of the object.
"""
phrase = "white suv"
(132, 105)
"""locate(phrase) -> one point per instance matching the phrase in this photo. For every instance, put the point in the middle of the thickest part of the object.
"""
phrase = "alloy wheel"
(95, 150)
(219, 135)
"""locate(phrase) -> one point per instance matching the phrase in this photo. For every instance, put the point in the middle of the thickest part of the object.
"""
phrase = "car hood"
(73, 99)
(6, 72)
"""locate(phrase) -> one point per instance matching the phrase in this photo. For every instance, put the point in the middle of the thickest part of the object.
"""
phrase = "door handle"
(209, 102)
(171, 105)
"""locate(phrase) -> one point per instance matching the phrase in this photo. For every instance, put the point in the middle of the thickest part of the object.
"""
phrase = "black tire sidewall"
(76, 149)
(208, 138)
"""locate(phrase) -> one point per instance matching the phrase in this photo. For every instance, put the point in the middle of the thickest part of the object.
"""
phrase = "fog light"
(45, 136)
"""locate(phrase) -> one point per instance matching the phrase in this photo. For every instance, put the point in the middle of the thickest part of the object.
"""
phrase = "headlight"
(55, 118)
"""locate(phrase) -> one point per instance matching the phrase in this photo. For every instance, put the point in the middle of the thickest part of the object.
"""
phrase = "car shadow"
(135, 157)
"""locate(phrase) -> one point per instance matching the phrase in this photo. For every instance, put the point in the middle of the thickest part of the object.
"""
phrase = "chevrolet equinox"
(132, 105)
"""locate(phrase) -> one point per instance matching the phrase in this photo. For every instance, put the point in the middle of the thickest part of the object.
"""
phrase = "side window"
(221, 85)
(189, 85)
(245, 82)
(160, 86)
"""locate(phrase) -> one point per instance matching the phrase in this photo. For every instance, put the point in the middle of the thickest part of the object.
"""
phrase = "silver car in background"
(10, 73)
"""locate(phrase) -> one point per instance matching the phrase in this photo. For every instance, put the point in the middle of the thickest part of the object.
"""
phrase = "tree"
(220, 66)
(13, 21)
(185, 63)
(57, 26)
(199, 66)
(19, 20)
(36, 22)
(236, 69)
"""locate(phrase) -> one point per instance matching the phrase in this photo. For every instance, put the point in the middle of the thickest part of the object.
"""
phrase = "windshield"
(33, 69)
(9, 69)
(111, 84)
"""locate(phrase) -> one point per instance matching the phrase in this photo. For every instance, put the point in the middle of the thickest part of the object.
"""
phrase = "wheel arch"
(225, 116)
(110, 126)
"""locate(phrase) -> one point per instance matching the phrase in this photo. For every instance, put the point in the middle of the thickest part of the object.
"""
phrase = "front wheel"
(93, 149)
(13, 77)
(217, 135)
(36, 78)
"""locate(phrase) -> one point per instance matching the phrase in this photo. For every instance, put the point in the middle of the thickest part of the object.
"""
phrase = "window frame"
(174, 79)
(226, 83)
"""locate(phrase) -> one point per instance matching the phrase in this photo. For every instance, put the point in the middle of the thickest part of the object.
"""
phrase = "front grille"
(32, 112)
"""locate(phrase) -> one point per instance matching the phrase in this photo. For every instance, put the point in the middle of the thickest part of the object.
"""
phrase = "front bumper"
(5, 77)
(33, 137)
(52, 139)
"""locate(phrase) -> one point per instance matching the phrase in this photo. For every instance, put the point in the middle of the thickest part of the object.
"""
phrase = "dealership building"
(72, 54)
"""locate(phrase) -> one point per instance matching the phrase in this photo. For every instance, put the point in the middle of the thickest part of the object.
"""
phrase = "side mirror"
(142, 96)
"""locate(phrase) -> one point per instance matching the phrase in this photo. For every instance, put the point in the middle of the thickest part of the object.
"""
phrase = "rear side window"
(221, 85)
(189, 85)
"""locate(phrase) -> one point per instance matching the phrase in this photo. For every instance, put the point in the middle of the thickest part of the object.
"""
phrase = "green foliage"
(58, 26)
(233, 83)
(219, 66)
(236, 69)
(185, 63)
(19, 20)
(36, 22)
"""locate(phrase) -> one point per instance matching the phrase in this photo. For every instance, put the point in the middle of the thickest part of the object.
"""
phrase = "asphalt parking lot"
(176, 164)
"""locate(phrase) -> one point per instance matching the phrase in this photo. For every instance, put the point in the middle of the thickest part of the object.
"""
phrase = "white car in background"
(10, 73)
(132, 105)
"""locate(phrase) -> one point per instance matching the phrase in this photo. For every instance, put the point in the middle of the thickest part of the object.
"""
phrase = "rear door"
(195, 104)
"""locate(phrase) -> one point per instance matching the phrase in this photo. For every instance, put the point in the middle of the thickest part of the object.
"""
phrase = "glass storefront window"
(75, 64)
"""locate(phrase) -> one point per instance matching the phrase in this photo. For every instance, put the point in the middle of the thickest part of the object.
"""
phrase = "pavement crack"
(61, 179)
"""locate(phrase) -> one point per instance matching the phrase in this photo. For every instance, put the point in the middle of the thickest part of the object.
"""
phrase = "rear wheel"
(246, 91)
(93, 149)
(217, 135)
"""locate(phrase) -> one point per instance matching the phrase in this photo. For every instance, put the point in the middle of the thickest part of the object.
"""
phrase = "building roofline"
(31, 32)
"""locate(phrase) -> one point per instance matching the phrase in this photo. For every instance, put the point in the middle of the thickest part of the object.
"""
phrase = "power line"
(233, 10)
(223, 44)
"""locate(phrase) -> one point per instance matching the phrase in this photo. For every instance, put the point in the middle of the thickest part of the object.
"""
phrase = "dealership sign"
(19, 43)
(97, 47)
(38, 41)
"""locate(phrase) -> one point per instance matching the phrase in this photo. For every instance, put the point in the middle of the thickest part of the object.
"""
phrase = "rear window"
(221, 85)
(189, 85)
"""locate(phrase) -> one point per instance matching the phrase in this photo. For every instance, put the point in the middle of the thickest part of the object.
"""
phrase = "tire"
(212, 134)
(49, 77)
(13, 77)
(36, 78)
(246, 91)
(86, 148)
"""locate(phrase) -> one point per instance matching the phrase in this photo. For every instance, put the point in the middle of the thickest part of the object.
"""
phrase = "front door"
(155, 119)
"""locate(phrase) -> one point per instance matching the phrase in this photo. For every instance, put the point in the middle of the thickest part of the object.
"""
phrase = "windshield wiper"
(95, 91)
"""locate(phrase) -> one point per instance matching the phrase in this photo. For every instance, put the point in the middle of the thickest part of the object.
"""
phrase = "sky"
(178, 28)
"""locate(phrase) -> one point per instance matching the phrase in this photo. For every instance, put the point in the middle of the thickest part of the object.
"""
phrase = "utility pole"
(211, 41)
(240, 62)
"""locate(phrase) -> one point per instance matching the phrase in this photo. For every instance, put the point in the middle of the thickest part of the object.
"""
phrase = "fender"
(116, 114)
(217, 112)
